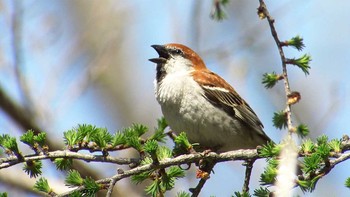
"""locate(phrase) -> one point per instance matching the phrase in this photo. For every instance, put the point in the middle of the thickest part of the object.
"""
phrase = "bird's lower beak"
(162, 52)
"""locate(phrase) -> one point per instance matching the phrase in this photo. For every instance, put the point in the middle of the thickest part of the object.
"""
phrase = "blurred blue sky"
(64, 44)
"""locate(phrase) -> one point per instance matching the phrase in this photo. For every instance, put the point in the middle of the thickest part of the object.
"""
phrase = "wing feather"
(221, 94)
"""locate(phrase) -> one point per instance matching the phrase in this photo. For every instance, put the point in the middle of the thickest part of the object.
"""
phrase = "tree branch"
(248, 172)
(18, 114)
(183, 159)
(326, 169)
(264, 13)
(13, 160)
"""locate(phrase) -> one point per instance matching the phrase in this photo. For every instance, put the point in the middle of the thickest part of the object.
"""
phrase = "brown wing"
(221, 94)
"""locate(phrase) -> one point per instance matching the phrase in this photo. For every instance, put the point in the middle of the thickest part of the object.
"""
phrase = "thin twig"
(110, 187)
(208, 168)
(265, 13)
(248, 172)
(332, 163)
(171, 134)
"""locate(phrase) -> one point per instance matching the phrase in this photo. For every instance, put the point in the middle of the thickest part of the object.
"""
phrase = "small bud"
(261, 13)
(200, 174)
(293, 130)
(345, 138)
(293, 98)
(120, 171)
(45, 149)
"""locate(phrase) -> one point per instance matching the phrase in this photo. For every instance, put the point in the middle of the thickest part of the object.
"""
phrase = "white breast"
(187, 110)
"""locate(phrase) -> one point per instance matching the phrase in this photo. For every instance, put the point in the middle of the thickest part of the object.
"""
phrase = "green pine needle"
(302, 62)
(73, 179)
(239, 194)
(28, 138)
(77, 194)
(183, 194)
(101, 137)
(335, 145)
(268, 177)
(302, 130)
(132, 135)
(42, 185)
(33, 168)
(163, 183)
(323, 151)
(79, 134)
(296, 42)
(279, 120)
(71, 137)
(308, 146)
(167, 183)
(40, 138)
(217, 12)
(3, 137)
(162, 124)
(175, 172)
(308, 185)
(9, 143)
(262, 192)
(312, 163)
(269, 150)
(63, 163)
(154, 188)
(270, 79)
(159, 134)
(91, 187)
(224, 2)
(139, 129)
(347, 183)
(134, 142)
(323, 139)
(183, 141)
(139, 178)
(3, 194)
(85, 132)
(151, 147)
(164, 153)
(118, 139)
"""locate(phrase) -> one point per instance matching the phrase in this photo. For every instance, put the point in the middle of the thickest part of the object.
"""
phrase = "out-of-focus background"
(71, 62)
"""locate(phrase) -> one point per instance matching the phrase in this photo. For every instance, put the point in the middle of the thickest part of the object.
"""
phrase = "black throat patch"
(160, 72)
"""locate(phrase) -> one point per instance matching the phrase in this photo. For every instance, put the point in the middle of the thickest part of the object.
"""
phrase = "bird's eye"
(178, 51)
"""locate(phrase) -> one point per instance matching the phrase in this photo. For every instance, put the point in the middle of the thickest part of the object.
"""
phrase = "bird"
(200, 103)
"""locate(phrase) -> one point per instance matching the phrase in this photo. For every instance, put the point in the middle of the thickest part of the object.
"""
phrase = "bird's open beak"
(162, 52)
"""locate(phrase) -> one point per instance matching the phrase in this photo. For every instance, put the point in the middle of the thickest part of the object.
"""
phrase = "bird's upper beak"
(162, 52)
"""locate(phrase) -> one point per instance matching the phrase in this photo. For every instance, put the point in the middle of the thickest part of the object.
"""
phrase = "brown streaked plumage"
(201, 103)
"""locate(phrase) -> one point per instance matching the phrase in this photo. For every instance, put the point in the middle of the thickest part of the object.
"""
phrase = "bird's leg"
(204, 166)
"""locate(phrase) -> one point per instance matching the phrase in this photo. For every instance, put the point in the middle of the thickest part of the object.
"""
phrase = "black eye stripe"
(176, 51)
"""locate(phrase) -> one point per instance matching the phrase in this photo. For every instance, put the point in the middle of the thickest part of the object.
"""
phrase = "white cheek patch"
(178, 64)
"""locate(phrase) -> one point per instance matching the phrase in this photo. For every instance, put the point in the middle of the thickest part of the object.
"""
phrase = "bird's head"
(175, 58)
